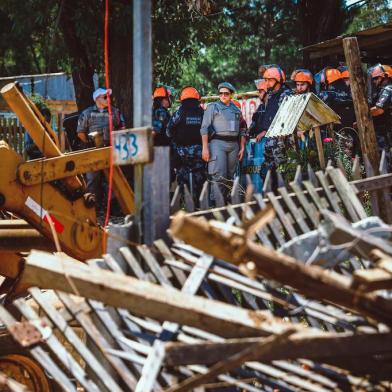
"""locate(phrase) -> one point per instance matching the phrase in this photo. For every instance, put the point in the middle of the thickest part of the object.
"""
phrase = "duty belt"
(226, 138)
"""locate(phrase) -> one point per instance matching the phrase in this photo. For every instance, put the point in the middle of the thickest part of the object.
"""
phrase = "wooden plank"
(317, 346)
(347, 195)
(367, 134)
(99, 338)
(371, 280)
(320, 150)
(64, 357)
(232, 362)
(311, 280)
(131, 146)
(144, 298)
(156, 356)
(309, 209)
(282, 216)
(41, 356)
(100, 372)
(294, 210)
(327, 191)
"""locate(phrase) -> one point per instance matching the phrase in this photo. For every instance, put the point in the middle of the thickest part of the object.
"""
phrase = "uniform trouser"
(223, 162)
(95, 183)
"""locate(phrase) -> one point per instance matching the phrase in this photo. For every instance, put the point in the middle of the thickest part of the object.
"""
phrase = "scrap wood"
(311, 345)
(147, 299)
(234, 361)
(312, 281)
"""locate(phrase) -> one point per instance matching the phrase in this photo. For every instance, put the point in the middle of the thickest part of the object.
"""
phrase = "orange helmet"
(328, 75)
(302, 75)
(275, 72)
(189, 92)
(261, 84)
(344, 71)
(236, 103)
(161, 92)
(380, 70)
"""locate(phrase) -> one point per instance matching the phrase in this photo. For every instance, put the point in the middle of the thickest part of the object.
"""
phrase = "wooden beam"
(315, 346)
(367, 134)
(234, 361)
(60, 272)
(312, 281)
(320, 150)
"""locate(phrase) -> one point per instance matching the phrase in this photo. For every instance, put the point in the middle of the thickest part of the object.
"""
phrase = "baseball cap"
(101, 91)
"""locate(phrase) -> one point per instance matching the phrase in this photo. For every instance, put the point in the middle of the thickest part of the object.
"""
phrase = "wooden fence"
(12, 133)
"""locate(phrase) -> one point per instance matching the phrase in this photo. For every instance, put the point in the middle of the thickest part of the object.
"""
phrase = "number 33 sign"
(132, 146)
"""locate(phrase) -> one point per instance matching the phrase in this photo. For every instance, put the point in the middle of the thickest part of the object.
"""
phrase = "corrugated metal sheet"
(303, 111)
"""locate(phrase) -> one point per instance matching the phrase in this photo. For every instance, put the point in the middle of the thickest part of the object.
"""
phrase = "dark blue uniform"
(160, 119)
(383, 123)
(338, 98)
(275, 153)
(255, 126)
(184, 131)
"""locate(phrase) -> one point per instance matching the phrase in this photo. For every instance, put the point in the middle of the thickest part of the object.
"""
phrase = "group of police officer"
(213, 140)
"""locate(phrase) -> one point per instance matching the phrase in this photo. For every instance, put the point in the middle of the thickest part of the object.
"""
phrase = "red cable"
(107, 85)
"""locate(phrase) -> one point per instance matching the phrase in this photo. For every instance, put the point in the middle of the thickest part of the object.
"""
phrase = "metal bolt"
(27, 175)
(69, 166)
(2, 199)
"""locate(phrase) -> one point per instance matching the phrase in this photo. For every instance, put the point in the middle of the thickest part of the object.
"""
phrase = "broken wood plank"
(311, 280)
(146, 299)
(234, 361)
(317, 346)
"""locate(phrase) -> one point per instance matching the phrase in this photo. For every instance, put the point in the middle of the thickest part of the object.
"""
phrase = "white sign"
(132, 146)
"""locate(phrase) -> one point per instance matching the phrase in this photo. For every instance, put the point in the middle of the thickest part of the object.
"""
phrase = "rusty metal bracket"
(26, 333)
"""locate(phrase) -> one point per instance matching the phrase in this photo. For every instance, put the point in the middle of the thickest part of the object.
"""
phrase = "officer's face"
(102, 101)
(262, 94)
(225, 95)
(165, 103)
(347, 81)
(301, 87)
(377, 81)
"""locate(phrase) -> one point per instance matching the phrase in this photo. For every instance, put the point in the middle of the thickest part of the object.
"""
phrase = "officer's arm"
(207, 120)
(173, 122)
(382, 102)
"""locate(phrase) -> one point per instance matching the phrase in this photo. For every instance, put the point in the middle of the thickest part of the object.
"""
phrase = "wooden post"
(320, 150)
(367, 135)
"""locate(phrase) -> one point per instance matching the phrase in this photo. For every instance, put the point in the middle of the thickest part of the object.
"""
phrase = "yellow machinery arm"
(48, 193)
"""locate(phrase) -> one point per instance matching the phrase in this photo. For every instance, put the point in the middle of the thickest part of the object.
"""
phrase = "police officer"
(161, 115)
(381, 105)
(255, 130)
(183, 130)
(95, 121)
(303, 80)
(337, 95)
(221, 124)
(275, 154)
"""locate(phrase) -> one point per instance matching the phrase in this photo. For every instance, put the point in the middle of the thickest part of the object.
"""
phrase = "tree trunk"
(120, 58)
(82, 70)
(321, 20)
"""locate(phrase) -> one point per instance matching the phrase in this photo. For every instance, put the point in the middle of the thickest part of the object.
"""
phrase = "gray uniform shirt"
(92, 119)
(223, 119)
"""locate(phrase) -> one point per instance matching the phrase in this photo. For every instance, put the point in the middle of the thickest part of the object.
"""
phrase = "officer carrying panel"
(303, 112)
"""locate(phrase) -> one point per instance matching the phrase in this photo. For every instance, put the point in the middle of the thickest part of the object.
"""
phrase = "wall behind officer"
(381, 106)
(275, 153)
(183, 130)
(161, 115)
(221, 124)
(96, 119)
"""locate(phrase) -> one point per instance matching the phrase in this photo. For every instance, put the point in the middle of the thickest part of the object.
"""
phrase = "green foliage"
(371, 14)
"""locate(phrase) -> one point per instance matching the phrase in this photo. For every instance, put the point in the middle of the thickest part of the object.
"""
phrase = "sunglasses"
(225, 93)
(104, 97)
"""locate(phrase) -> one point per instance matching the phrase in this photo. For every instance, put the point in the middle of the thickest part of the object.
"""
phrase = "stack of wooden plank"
(219, 308)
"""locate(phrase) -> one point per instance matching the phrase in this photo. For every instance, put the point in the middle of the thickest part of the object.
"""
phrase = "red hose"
(107, 85)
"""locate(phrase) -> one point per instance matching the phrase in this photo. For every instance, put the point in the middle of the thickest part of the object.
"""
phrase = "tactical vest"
(187, 131)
